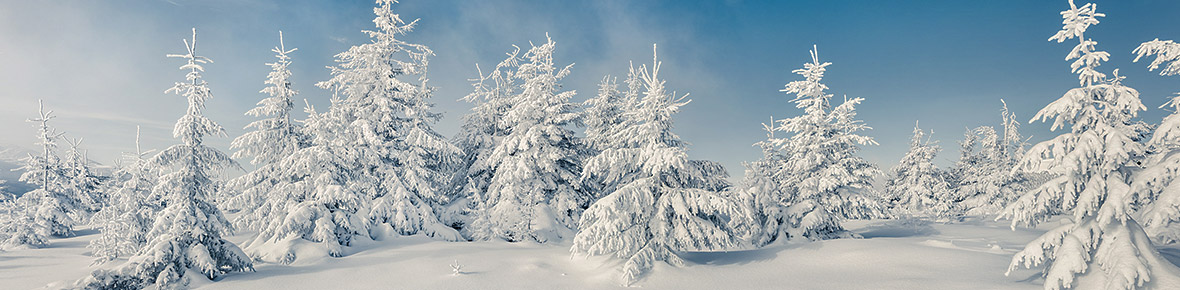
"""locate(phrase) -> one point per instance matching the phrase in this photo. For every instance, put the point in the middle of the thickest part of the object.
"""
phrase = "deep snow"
(893, 255)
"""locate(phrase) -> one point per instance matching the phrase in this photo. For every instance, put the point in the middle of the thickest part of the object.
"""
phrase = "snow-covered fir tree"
(275, 136)
(603, 117)
(319, 196)
(272, 139)
(665, 202)
(976, 173)
(1100, 244)
(604, 112)
(17, 229)
(972, 151)
(533, 193)
(390, 119)
(127, 217)
(372, 162)
(81, 181)
(187, 234)
(1162, 166)
(481, 131)
(759, 186)
(1165, 51)
(53, 209)
(917, 187)
(983, 178)
(812, 179)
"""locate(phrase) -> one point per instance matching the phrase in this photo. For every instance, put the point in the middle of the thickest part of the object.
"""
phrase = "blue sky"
(100, 64)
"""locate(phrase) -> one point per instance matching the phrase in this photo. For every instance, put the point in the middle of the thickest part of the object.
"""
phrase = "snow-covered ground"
(893, 255)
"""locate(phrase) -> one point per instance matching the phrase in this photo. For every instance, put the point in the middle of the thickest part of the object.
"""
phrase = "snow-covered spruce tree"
(480, 132)
(971, 155)
(125, 220)
(984, 180)
(389, 119)
(186, 236)
(809, 181)
(320, 195)
(758, 187)
(1100, 245)
(81, 182)
(1158, 179)
(978, 169)
(372, 161)
(275, 136)
(604, 112)
(17, 229)
(53, 210)
(665, 202)
(602, 118)
(534, 192)
(272, 139)
(918, 188)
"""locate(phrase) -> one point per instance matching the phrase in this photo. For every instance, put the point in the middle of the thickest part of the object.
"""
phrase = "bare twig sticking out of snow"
(456, 268)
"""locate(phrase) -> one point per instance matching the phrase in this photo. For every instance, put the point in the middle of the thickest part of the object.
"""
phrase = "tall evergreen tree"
(372, 164)
(81, 181)
(1163, 165)
(187, 234)
(275, 136)
(51, 208)
(665, 202)
(482, 129)
(389, 120)
(917, 187)
(808, 182)
(603, 117)
(533, 193)
(983, 178)
(125, 220)
(320, 196)
(1100, 245)
(273, 139)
